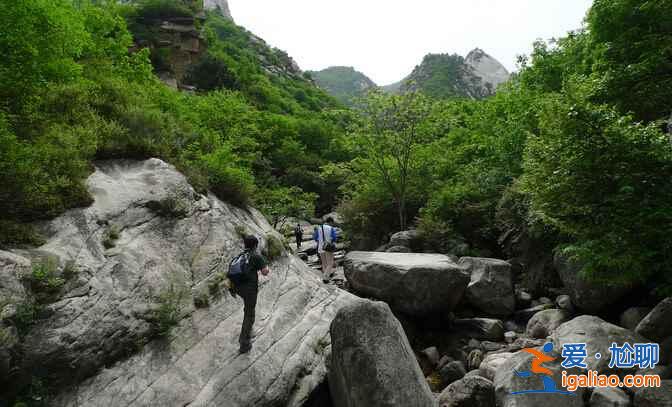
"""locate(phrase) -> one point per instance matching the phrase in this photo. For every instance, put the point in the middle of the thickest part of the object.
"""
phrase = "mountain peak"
(490, 70)
(220, 6)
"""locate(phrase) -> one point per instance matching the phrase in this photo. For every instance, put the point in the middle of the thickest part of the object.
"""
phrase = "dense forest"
(572, 151)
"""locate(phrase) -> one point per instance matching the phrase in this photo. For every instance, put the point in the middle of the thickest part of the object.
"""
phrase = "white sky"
(386, 39)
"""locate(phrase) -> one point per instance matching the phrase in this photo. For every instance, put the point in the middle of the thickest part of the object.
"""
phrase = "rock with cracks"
(491, 285)
(372, 363)
(415, 284)
(150, 241)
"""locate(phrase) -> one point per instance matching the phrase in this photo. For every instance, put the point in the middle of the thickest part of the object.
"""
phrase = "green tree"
(389, 135)
(280, 204)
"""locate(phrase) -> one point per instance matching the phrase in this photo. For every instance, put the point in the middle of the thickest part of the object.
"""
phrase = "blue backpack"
(238, 268)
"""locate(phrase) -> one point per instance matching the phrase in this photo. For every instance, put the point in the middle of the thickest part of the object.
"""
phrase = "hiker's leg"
(324, 261)
(249, 296)
(331, 263)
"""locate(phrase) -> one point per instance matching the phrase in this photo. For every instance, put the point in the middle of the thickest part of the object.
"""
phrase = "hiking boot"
(244, 349)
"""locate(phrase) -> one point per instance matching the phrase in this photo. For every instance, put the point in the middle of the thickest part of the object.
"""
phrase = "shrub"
(14, 233)
(162, 9)
(274, 248)
(44, 278)
(169, 311)
(110, 237)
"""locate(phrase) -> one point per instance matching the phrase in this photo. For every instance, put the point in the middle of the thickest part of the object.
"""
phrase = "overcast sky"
(386, 39)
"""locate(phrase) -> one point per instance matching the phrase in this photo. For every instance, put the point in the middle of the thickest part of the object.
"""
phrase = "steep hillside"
(453, 76)
(342, 82)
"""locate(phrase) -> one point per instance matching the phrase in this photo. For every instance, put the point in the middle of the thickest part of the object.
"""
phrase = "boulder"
(656, 324)
(452, 372)
(491, 285)
(406, 238)
(432, 355)
(482, 329)
(564, 302)
(398, 249)
(632, 316)
(372, 363)
(523, 316)
(598, 335)
(543, 323)
(415, 284)
(145, 247)
(471, 391)
(506, 381)
(492, 363)
(609, 397)
(654, 396)
(13, 268)
(219, 6)
(589, 296)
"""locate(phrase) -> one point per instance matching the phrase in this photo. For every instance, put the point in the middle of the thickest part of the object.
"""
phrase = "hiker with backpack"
(326, 236)
(243, 275)
(298, 234)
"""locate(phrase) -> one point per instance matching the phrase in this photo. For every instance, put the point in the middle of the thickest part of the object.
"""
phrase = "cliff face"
(490, 70)
(150, 252)
(220, 6)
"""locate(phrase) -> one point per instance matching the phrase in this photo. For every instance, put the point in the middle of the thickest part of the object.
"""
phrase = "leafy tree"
(603, 180)
(390, 133)
(280, 204)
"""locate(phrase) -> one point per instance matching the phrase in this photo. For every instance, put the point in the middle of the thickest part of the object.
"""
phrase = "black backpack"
(238, 268)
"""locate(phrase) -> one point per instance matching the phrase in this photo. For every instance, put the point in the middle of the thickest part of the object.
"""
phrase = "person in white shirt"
(326, 236)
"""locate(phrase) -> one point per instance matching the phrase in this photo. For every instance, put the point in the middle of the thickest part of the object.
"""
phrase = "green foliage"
(110, 237)
(14, 234)
(344, 83)
(279, 204)
(162, 9)
(170, 303)
(202, 300)
(26, 314)
(274, 248)
(44, 277)
(604, 181)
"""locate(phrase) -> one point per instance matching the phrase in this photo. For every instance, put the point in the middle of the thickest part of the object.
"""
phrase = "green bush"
(604, 181)
(44, 277)
(170, 304)
(163, 9)
(274, 248)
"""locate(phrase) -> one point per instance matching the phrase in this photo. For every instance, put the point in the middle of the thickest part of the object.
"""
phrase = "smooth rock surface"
(657, 324)
(543, 323)
(415, 284)
(372, 363)
(598, 335)
(609, 397)
(491, 286)
(632, 316)
(169, 236)
(471, 391)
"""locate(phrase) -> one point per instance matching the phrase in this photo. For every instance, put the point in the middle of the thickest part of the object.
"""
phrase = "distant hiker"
(243, 274)
(298, 234)
(326, 236)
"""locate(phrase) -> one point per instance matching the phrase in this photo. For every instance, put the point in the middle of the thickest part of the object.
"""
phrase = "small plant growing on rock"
(26, 315)
(241, 230)
(175, 205)
(111, 237)
(169, 311)
(201, 300)
(274, 248)
(44, 278)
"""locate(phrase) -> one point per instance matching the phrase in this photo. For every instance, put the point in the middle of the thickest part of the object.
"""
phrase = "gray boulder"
(149, 243)
(564, 302)
(609, 397)
(398, 249)
(657, 324)
(587, 295)
(598, 335)
(492, 363)
(632, 316)
(372, 363)
(415, 284)
(491, 285)
(407, 238)
(471, 391)
(507, 381)
(543, 323)
(482, 329)
(219, 6)
(654, 396)
(452, 372)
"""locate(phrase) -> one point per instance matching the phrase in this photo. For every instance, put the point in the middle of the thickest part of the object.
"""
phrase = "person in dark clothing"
(248, 290)
(298, 234)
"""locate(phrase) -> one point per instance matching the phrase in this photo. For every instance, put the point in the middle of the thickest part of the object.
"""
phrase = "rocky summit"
(452, 76)
(220, 6)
